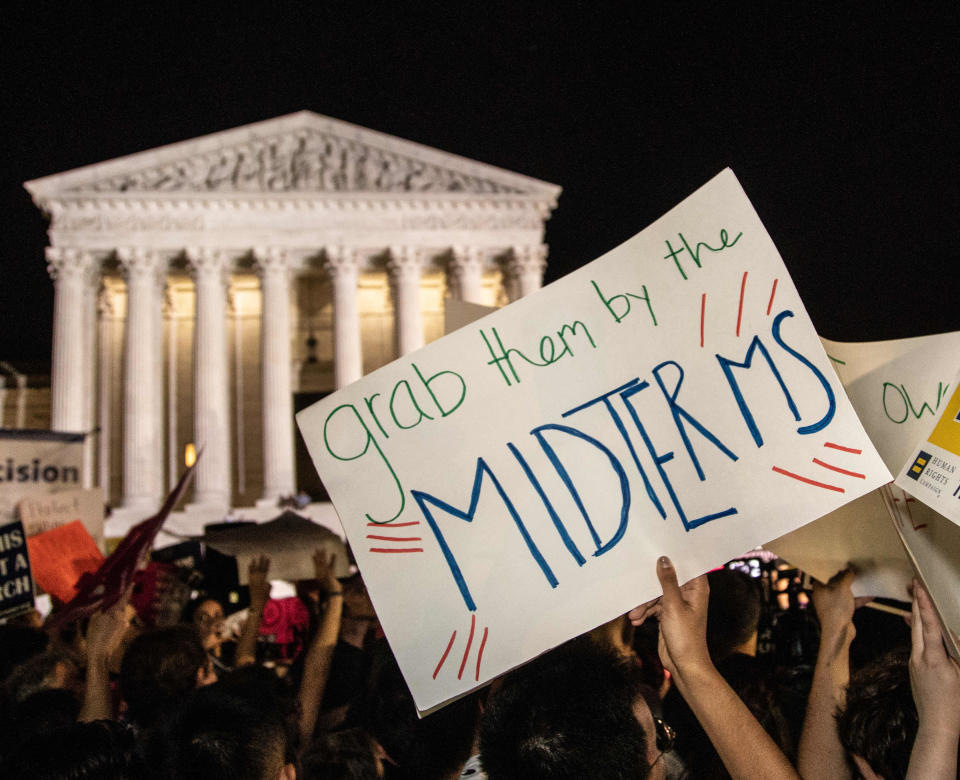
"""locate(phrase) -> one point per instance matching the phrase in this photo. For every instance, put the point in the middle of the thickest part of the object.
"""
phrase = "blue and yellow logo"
(919, 464)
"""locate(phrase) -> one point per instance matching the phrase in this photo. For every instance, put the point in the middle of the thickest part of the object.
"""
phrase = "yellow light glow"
(190, 455)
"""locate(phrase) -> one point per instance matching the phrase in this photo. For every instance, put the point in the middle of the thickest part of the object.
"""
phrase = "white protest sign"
(511, 485)
(36, 462)
(932, 472)
(896, 387)
(933, 545)
(41, 513)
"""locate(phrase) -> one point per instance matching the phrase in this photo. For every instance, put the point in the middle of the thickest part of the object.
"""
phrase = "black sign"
(16, 581)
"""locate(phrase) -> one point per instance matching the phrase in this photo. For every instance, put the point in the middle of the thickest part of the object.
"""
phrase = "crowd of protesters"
(307, 688)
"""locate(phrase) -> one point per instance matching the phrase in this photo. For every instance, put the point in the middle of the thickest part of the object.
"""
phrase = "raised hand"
(683, 621)
(259, 582)
(323, 566)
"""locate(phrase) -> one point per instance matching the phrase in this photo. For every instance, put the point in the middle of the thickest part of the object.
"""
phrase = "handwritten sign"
(896, 388)
(932, 472)
(510, 486)
(45, 512)
(16, 582)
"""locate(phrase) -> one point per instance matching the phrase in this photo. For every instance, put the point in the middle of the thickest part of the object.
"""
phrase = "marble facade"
(201, 288)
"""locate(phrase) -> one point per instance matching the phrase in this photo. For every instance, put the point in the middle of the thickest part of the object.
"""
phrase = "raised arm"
(747, 751)
(821, 755)
(104, 632)
(316, 669)
(935, 681)
(259, 584)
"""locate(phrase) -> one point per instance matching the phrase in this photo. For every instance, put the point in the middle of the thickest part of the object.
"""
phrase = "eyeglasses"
(666, 735)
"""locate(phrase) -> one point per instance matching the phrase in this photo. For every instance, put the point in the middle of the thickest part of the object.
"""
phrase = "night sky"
(842, 126)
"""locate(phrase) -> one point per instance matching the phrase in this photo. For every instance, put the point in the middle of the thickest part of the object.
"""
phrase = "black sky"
(842, 126)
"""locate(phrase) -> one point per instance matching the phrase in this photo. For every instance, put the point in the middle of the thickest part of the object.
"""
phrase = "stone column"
(73, 276)
(278, 465)
(466, 274)
(525, 267)
(211, 395)
(145, 271)
(405, 266)
(342, 264)
(106, 405)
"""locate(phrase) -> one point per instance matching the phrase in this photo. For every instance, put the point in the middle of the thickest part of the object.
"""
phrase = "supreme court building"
(206, 290)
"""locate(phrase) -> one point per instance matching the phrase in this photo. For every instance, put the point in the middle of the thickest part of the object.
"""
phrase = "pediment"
(303, 153)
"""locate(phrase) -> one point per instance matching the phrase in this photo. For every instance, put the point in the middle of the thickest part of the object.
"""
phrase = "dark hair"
(424, 748)
(158, 669)
(348, 754)
(567, 714)
(101, 750)
(879, 721)
(17, 645)
(733, 613)
(215, 735)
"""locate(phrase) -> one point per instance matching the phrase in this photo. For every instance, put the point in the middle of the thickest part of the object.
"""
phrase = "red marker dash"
(444, 656)
(773, 291)
(483, 644)
(839, 470)
(743, 287)
(466, 653)
(392, 525)
(397, 550)
(840, 447)
(808, 481)
(396, 538)
(703, 310)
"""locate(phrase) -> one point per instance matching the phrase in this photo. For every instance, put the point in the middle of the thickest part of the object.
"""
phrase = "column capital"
(141, 262)
(207, 261)
(527, 258)
(466, 258)
(270, 259)
(70, 263)
(404, 263)
(340, 261)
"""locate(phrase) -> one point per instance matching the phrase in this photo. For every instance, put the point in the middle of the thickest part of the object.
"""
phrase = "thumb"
(668, 581)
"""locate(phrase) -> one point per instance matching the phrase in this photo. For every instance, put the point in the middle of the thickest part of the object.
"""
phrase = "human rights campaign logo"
(919, 465)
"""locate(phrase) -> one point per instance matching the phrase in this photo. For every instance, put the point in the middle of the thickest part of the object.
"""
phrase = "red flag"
(102, 589)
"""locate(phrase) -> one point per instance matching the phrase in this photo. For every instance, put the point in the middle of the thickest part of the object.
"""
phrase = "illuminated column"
(278, 467)
(466, 274)
(145, 271)
(405, 266)
(211, 398)
(73, 277)
(525, 269)
(106, 404)
(342, 264)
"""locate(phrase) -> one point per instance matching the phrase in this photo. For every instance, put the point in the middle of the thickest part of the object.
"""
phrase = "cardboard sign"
(44, 513)
(896, 388)
(932, 472)
(288, 540)
(35, 463)
(511, 485)
(16, 582)
(61, 556)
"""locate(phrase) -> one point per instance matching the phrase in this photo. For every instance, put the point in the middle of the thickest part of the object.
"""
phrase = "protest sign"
(511, 485)
(932, 472)
(104, 588)
(289, 542)
(35, 463)
(932, 543)
(61, 556)
(45, 512)
(16, 582)
(896, 388)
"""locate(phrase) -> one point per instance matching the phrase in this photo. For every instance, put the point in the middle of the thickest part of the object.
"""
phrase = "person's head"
(217, 735)
(575, 712)
(207, 619)
(347, 754)
(51, 669)
(878, 724)
(733, 614)
(159, 668)
(101, 750)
